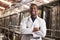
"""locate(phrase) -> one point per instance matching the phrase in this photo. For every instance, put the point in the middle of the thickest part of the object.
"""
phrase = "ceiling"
(8, 7)
(24, 4)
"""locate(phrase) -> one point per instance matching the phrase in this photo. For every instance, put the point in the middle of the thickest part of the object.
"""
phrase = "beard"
(33, 13)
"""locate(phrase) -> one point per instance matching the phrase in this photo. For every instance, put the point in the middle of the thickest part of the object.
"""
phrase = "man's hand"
(36, 29)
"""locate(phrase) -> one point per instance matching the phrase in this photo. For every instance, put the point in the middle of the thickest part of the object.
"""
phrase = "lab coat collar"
(31, 19)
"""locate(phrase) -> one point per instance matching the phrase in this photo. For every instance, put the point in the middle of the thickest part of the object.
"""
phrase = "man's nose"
(33, 9)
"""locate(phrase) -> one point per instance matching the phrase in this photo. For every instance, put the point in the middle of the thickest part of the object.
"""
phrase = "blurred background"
(13, 11)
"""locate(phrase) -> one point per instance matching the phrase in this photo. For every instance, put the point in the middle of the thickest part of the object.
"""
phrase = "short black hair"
(32, 5)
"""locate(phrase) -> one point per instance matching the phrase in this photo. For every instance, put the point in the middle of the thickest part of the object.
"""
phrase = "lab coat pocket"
(36, 24)
(29, 24)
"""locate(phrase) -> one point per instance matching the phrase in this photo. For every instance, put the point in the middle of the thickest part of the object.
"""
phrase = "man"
(33, 27)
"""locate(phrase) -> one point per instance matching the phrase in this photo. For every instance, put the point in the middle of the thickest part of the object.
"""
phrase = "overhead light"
(46, 1)
(2, 7)
(39, 1)
(26, 1)
(26, 6)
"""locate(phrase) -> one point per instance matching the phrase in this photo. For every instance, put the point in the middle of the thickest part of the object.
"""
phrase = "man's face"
(33, 10)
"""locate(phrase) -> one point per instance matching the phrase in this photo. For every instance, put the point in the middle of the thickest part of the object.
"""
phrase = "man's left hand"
(36, 29)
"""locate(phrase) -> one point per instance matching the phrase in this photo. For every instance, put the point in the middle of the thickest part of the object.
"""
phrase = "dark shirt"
(33, 19)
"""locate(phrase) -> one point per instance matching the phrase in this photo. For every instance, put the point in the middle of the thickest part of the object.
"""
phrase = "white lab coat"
(27, 26)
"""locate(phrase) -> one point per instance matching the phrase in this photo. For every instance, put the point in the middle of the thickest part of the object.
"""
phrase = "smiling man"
(33, 27)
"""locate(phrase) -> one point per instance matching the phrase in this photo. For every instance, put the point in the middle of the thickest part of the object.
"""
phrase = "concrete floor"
(46, 38)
